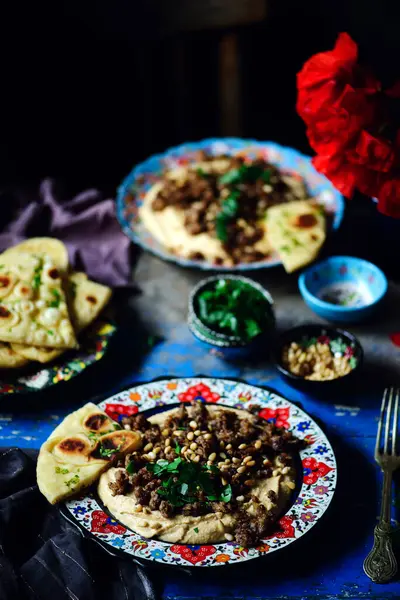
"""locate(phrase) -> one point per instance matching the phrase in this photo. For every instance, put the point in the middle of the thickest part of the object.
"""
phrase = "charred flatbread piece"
(33, 307)
(296, 231)
(86, 300)
(79, 450)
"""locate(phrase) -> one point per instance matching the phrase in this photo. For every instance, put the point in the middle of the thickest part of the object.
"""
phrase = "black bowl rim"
(224, 339)
(282, 339)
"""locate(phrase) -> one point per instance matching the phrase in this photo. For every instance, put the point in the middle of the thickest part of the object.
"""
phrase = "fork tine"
(380, 423)
(395, 423)
(388, 420)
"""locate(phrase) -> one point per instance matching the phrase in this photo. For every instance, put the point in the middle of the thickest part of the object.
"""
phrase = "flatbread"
(43, 246)
(86, 300)
(9, 359)
(79, 450)
(296, 231)
(33, 307)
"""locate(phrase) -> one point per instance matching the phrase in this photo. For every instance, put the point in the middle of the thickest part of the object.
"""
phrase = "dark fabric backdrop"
(87, 88)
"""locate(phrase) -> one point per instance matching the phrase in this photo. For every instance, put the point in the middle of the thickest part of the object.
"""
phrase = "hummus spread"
(207, 528)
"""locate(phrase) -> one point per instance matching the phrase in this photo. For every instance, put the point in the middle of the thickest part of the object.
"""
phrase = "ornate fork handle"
(380, 564)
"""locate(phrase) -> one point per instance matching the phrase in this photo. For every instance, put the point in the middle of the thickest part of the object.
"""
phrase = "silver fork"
(380, 564)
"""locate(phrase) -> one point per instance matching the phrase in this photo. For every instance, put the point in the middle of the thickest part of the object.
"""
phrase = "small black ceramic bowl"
(229, 346)
(341, 343)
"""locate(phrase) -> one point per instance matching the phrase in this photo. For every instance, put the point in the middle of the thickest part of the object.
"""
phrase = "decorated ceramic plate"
(310, 500)
(35, 378)
(133, 189)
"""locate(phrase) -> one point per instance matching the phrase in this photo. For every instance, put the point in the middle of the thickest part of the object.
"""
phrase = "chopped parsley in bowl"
(230, 311)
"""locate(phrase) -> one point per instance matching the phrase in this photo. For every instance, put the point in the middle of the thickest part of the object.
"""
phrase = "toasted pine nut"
(212, 457)
(240, 498)
(236, 460)
(193, 446)
(246, 459)
(127, 426)
(285, 470)
(242, 446)
(222, 455)
(193, 424)
(266, 461)
(196, 458)
(190, 435)
(291, 485)
(208, 436)
(258, 444)
(229, 447)
(249, 482)
(165, 433)
(241, 469)
(151, 455)
(229, 537)
(184, 449)
(157, 450)
(251, 463)
(148, 447)
(197, 432)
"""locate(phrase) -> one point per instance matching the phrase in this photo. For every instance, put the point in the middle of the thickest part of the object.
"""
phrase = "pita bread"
(33, 307)
(9, 359)
(296, 231)
(79, 450)
(86, 300)
(43, 246)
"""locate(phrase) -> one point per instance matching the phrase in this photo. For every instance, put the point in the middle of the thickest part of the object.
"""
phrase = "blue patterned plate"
(316, 475)
(134, 187)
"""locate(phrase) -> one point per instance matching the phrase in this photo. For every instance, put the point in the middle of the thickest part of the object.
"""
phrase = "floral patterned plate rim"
(317, 486)
(93, 347)
(131, 192)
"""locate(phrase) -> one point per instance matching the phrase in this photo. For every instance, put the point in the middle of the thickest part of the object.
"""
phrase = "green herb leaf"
(57, 298)
(196, 529)
(184, 489)
(61, 470)
(130, 467)
(226, 494)
(71, 483)
(108, 452)
(266, 176)
(178, 448)
(37, 276)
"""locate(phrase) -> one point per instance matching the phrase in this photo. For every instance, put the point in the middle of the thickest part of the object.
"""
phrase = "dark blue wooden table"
(153, 341)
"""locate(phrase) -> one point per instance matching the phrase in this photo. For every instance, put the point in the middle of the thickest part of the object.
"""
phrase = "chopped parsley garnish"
(60, 470)
(72, 482)
(108, 452)
(50, 332)
(196, 530)
(72, 289)
(234, 308)
(178, 448)
(182, 480)
(2, 266)
(130, 467)
(57, 298)
(37, 276)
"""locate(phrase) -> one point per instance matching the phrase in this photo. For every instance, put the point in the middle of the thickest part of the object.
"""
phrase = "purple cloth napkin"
(85, 223)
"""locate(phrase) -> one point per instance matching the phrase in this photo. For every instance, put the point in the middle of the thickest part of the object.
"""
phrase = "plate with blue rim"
(132, 191)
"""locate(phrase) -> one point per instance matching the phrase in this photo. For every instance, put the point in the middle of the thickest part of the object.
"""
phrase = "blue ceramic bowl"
(229, 346)
(343, 289)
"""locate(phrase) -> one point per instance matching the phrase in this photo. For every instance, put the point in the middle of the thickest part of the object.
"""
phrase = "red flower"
(193, 554)
(199, 391)
(346, 112)
(313, 470)
(389, 198)
(395, 339)
(117, 411)
(102, 523)
(278, 415)
(323, 339)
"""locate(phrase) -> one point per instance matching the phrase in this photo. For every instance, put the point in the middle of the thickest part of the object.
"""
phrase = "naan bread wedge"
(86, 300)
(296, 231)
(9, 359)
(79, 450)
(43, 246)
(33, 307)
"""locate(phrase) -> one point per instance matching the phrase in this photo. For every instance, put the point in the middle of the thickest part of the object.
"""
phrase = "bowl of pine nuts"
(314, 355)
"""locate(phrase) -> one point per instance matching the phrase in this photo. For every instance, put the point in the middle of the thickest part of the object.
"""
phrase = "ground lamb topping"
(201, 462)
